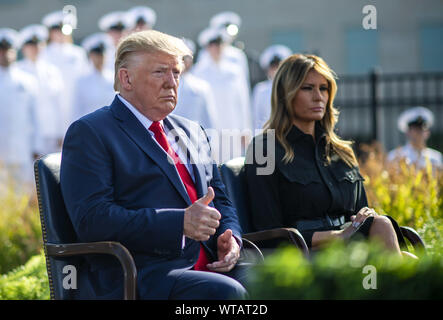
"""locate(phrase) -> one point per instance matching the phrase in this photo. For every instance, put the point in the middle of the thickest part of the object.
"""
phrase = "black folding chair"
(59, 239)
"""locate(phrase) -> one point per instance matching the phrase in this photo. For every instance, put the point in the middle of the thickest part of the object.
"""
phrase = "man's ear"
(124, 78)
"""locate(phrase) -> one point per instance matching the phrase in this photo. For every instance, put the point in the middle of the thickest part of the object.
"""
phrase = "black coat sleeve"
(263, 191)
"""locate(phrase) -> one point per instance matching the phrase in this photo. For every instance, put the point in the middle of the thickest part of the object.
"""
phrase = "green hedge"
(337, 273)
(27, 282)
(20, 230)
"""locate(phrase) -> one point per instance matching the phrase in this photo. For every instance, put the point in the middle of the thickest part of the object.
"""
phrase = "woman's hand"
(321, 237)
(361, 216)
(357, 221)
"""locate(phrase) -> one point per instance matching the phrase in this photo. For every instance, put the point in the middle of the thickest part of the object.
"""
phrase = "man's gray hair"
(149, 41)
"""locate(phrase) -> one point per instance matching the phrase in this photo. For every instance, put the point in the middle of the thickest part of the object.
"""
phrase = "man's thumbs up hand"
(207, 198)
(200, 220)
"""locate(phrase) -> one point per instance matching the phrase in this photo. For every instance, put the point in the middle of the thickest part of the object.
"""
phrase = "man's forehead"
(159, 57)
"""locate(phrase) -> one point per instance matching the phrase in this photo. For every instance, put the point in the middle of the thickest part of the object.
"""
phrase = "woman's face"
(309, 104)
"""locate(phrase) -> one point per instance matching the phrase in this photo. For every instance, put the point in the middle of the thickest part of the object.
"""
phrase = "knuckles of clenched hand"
(200, 221)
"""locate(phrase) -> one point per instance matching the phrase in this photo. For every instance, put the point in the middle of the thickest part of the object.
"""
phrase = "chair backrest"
(56, 225)
(233, 176)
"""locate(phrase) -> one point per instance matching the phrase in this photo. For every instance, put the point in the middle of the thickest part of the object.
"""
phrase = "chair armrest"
(115, 249)
(413, 237)
(290, 234)
(253, 253)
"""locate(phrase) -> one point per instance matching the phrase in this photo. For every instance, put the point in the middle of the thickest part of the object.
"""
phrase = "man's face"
(116, 35)
(57, 36)
(215, 50)
(154, 79)
(418, 135)
(31, 51)
(7, 56)
(97, 60)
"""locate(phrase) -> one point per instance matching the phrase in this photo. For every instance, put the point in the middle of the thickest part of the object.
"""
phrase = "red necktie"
(160, 136)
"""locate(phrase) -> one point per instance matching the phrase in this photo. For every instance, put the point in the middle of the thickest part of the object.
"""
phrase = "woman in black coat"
(314, 183)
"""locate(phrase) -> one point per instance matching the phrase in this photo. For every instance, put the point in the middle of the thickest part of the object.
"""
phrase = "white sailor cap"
(33, 33)
(98, 42)
(418, 116)
(224, 19)
(142, 15)
(115, 20)
(190, 44)
(54, 19)
(211, 34)
(9, 38)
(272, 54)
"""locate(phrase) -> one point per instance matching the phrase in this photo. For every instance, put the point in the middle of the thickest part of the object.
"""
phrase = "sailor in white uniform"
(95, 88)
(142, 18)
(48, 116)
(230, 90)
(116, 24)
(261, 95)
(416, 123)
(229, 22)
(18, 91)
(195, 98)
(69, 58)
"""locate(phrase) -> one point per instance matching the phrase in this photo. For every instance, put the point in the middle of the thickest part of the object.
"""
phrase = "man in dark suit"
(133, 173)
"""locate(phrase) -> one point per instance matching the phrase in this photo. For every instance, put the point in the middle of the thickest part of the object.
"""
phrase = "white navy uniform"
(93, 90)
(261, 95)
(233, 55)
(230, 93)
(17, 110)
(223, 20)
(228, 84)
(196, 101)
(233, 118)
(422, 117)
(416, 157)
(141, 16)
(261, 103)
(71, 61)
(48, 113)
(115, 19)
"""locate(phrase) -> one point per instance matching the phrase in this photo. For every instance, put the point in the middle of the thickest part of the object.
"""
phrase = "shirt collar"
(146, 122)
(295, 133)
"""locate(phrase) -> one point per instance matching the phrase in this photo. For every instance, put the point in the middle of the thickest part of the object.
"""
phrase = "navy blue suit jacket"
(118, 185)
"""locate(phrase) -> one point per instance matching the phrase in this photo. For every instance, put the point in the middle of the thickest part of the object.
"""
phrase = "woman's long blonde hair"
(289, 78)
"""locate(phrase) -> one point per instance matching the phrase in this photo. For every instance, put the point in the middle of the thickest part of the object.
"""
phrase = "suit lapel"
(137, 132)
(188, 142)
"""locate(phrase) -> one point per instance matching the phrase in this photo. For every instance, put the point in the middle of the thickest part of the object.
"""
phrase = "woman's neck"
(306, 127)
